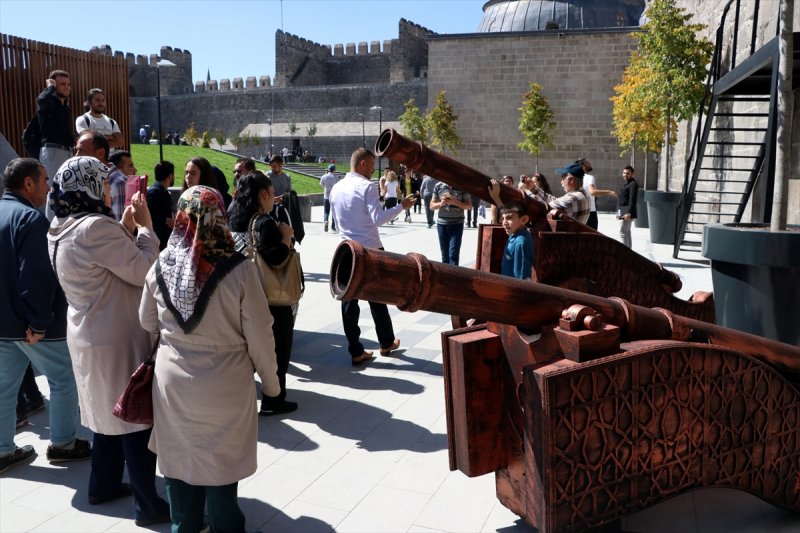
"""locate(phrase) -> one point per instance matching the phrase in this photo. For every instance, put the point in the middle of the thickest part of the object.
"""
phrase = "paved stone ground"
(367, 450)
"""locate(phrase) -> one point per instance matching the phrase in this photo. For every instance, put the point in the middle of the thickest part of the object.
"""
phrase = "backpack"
(32, 137)
(88, 125)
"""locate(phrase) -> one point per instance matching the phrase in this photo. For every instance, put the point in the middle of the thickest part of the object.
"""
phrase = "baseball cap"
(331, 167)
(574, 168)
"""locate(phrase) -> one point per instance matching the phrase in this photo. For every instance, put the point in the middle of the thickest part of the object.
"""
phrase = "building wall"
(233, 110)
(486, 75)
(303, 63)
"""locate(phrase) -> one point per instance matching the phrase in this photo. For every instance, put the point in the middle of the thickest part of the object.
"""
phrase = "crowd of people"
(177, 277)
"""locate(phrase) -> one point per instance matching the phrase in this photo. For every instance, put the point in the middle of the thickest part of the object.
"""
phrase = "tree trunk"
(784, 116)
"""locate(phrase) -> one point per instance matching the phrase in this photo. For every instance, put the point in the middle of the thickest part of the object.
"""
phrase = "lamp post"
(271, 150)
(379, 109)
(363, 131)
(159, 64)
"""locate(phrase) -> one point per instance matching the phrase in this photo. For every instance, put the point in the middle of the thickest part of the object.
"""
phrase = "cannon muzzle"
(419, 158)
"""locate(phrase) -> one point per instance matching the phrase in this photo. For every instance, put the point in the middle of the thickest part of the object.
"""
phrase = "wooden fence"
(24, 67)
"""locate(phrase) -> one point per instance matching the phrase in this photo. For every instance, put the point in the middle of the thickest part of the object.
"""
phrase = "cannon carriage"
(591, 392)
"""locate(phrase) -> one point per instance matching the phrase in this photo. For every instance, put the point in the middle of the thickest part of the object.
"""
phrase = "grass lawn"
(145, 157)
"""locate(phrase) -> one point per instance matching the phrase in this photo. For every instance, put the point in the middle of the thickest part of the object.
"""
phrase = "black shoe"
(80, 452)
(34, 406)
(19, 456)
(124, 491)
(161, 518)
(269, 409)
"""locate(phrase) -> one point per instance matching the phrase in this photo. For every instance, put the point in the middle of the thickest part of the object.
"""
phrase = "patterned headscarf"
(199, 253)
(78, 187)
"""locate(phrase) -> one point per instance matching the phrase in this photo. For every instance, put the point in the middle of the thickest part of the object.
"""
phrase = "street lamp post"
(159, 64)
(271, 149)
(363, 131)
(379, 109)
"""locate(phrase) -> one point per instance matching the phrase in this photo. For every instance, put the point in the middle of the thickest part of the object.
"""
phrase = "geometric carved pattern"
(626, 431)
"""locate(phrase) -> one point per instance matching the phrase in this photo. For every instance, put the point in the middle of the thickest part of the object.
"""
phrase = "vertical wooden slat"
(24, 66)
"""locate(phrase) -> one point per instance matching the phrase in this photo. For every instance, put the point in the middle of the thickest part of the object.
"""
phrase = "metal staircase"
(734, 139)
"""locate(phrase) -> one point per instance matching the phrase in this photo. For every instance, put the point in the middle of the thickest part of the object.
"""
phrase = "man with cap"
(575, 203)
(327, 182)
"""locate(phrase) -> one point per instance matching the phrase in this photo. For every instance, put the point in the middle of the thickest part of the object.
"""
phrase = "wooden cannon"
(591, 392)
(589, 408)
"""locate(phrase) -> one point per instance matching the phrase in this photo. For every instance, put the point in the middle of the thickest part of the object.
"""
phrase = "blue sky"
(233, 38)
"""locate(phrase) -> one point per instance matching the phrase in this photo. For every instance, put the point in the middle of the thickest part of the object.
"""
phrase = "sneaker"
(80, 452)
(124, 491)
(325, 227)
(18, 457)
(283, 407)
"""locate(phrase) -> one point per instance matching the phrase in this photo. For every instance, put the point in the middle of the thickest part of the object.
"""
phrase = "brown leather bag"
(135, 405)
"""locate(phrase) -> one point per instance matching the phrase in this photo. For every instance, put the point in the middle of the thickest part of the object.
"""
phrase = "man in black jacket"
(159, 202)
(55, 122)
(626, 205)
(33, 319)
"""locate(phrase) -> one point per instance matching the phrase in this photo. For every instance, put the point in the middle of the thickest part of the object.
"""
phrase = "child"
(518, 254)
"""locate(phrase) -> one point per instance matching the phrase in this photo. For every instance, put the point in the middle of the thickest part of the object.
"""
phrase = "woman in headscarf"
(206, 300)
(255, 197)
(101, 267)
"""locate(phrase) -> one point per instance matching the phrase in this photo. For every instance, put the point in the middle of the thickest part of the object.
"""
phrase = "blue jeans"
(51, 358)
(450, 241)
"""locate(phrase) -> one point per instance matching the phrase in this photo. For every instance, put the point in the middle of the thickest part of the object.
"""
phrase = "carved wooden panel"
(626, 431)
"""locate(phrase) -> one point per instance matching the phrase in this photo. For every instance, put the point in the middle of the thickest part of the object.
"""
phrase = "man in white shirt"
(358, 212)
(592, 191)
(95, 121)
(327, 182)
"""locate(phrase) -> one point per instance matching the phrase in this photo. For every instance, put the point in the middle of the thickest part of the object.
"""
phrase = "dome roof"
(531, 15)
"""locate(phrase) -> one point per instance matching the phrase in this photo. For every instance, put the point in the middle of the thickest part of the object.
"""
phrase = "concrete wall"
(486, 75)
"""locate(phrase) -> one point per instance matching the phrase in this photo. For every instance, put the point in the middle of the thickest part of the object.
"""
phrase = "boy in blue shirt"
(518, 254)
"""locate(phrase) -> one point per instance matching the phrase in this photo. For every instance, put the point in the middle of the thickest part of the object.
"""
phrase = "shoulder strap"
(55, 254)
(86, 120)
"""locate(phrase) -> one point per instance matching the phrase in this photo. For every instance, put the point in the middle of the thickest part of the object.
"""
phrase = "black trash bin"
(662, 212)
(641, 220)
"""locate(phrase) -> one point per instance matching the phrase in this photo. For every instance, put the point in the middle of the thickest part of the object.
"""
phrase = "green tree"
(311, 131)
(235, 140)
(220, 137)
(413, 123)
(292, 126)
(244, 139)
(674, 59)
(535, 122)
(206, 140)
(441, 120)
(191, 134)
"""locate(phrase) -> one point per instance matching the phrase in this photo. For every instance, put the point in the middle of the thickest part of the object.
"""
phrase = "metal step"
(741, 114)
(725, 181)
(736, 143)
(762, 130)
(728, 169)
(715, 203)
(736, 98)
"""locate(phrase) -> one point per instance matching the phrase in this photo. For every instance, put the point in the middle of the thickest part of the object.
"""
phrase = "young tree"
(441, 120)
(674, 59)
(191, 134)
(413, 123)
(311, 131)
(236, 140)
(219, 136)
(206, 140)
(535, 122)
(292, 126)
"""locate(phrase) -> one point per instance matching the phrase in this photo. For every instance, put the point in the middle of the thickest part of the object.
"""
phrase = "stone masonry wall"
(486, 75)
(232, 111)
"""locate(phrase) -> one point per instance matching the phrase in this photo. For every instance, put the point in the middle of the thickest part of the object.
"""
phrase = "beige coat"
(204, 398)
(101, 268)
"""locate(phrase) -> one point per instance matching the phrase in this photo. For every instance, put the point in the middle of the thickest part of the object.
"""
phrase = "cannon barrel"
(419, 158)
(412, 282)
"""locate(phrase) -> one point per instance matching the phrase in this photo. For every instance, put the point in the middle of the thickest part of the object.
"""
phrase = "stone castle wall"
(300, 62)
(486, 75)
(143, 75)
